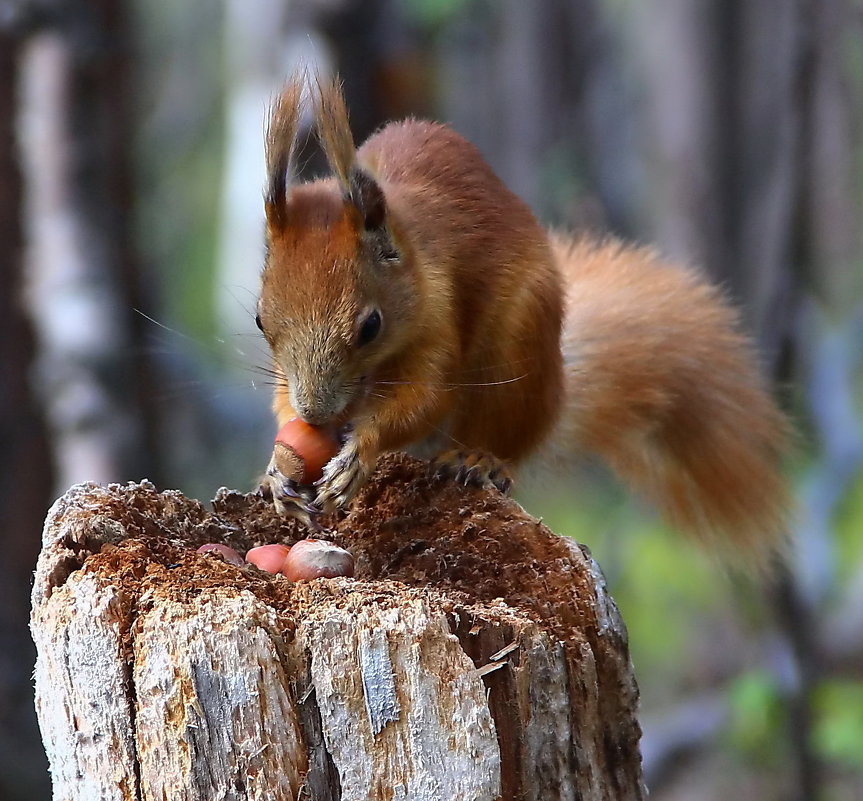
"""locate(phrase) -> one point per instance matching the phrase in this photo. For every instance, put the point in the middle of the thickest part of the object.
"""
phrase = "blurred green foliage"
(839, 724)
(849, 535)
(433, 13)
(758, 716)
(191, 295)
(664, 586)
(180, 151)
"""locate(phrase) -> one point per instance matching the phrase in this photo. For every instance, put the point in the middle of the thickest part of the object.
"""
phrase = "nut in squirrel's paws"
(343, 476)
(473, 468)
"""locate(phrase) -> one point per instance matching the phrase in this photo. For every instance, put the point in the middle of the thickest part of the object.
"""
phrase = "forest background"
(726, 132)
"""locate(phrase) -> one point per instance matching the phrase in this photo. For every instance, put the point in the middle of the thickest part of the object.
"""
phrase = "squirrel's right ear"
(279, 146)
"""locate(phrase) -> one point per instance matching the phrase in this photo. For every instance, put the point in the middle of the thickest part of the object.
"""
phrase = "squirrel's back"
(482, 246)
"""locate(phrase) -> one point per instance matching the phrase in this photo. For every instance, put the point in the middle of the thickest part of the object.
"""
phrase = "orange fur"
(652, 375)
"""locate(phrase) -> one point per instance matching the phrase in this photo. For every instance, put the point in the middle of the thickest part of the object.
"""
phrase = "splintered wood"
(475, 656)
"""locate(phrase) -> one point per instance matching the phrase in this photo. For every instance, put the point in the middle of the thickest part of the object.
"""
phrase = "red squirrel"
(411, 301)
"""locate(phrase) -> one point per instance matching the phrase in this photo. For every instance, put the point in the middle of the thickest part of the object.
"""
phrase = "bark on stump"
(475, 656)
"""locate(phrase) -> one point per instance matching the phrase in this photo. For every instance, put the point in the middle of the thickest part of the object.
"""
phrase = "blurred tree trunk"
(26, 480)
(82, 282)
(760, 155)
(538, 87)
(673, 42)
(831, 193)
(726, 118)
(73, 384)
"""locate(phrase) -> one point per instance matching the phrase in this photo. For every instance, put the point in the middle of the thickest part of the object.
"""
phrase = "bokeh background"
(727, 132)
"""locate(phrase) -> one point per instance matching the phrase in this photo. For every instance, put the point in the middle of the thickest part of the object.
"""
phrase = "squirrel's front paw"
(343, 475)
(289, 498)
(473, 468)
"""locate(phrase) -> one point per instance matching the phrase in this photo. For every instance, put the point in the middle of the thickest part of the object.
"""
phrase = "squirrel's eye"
(370, 328)
(258, 322)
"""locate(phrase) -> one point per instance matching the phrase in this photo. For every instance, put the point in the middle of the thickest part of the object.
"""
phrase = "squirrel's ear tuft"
(334, 131)
(368, 198)
(279, 146)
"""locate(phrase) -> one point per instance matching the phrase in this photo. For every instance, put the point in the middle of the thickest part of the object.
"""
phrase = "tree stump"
(475, 655)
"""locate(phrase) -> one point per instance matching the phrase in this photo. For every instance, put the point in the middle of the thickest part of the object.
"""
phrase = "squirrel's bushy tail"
(664, 387)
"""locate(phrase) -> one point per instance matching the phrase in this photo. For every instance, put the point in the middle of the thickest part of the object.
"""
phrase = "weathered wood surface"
(164, 674)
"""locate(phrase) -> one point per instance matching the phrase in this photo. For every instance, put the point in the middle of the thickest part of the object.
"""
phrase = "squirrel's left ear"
(358, 187)
(368, 198)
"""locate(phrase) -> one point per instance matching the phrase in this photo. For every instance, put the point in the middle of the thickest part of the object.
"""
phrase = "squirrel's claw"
(289, 498)
(343, 475)
(473, 468)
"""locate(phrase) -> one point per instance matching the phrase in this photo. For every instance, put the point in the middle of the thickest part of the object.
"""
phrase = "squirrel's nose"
(319, 404)
(317, 411)
(312, 415)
